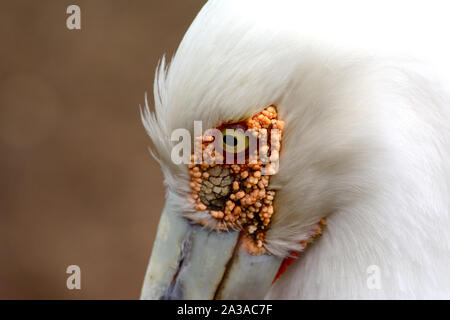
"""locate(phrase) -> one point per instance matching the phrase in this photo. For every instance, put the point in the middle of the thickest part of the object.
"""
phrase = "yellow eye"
(234, 140)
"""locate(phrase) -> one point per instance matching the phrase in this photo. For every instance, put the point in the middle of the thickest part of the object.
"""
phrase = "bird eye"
(234, 140)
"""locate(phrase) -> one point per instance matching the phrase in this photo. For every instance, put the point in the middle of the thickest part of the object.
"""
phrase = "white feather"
(367, 132)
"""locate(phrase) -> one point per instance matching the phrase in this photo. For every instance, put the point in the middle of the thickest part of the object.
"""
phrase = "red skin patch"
(288, 260)
(285, 264)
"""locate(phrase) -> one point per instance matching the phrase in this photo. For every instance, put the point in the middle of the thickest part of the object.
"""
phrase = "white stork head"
(365, 145)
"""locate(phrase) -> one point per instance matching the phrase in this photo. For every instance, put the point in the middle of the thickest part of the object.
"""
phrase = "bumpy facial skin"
(238, 194)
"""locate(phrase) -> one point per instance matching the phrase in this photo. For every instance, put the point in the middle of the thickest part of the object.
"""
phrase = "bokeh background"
(77, 184)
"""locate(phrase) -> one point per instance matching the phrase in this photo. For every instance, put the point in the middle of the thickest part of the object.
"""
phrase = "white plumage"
(366, 142)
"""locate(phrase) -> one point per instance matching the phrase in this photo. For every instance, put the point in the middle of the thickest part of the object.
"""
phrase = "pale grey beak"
(190, 262)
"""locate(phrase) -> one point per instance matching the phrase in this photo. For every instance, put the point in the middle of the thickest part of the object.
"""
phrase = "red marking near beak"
(288, 260)
(285, 264)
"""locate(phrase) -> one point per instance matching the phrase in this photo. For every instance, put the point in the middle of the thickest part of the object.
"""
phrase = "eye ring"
(234, 140)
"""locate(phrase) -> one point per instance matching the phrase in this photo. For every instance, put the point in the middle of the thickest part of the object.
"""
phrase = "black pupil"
(230, 140)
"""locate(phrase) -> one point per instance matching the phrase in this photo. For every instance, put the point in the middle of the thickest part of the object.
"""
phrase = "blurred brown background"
(77, 184)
